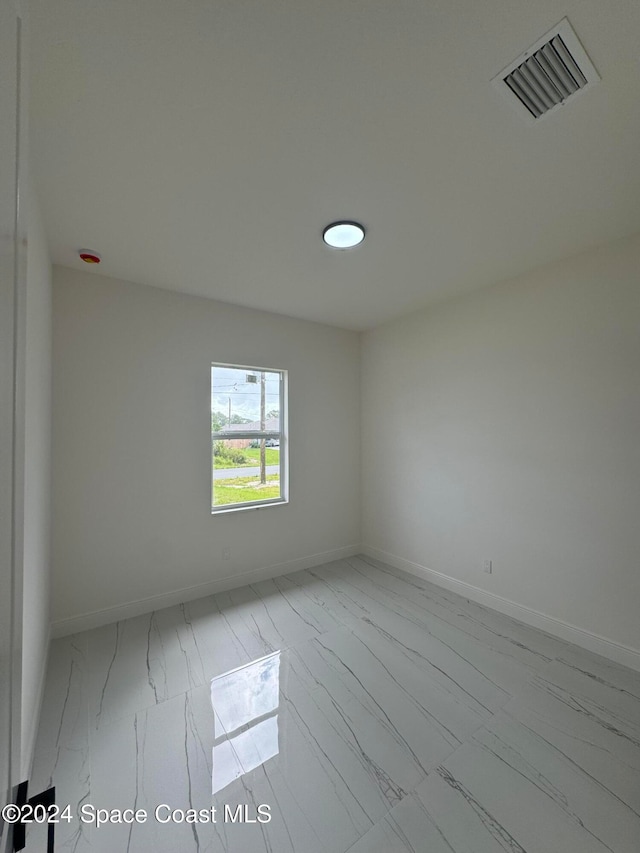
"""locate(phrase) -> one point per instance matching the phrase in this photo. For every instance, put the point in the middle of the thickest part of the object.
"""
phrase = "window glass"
(247, 434)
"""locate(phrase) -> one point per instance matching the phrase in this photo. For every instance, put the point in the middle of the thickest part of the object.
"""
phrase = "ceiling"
(203, 145)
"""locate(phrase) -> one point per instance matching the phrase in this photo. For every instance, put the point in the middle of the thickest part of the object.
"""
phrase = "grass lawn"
(243, 489)
(253, 458)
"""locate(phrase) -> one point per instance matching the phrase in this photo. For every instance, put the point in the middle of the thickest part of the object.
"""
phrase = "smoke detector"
(547, 75)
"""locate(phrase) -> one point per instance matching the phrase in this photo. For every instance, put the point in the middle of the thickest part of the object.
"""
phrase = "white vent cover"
(547, 75)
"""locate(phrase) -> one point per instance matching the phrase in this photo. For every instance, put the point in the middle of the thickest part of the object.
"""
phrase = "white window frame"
(281, 435)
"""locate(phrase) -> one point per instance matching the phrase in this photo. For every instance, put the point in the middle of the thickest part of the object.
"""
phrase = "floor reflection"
(245, 705)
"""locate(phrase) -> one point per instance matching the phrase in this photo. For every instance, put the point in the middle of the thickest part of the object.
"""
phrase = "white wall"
(37, 468)
(505, 425)
(131, 475)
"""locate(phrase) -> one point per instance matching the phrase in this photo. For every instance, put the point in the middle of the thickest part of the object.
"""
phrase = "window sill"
(226, 509)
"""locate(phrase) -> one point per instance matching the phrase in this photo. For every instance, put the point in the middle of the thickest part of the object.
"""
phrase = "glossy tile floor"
(366, 708)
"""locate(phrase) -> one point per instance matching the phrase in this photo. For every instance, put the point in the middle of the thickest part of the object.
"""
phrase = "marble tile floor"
(359, 708)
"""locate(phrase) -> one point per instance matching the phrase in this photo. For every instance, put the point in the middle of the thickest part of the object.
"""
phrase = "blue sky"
(230, 383)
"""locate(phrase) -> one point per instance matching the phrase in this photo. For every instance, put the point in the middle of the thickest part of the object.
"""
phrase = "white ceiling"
(203, 145)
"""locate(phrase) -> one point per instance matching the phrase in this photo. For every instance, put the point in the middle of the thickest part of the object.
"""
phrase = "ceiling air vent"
(547, 75)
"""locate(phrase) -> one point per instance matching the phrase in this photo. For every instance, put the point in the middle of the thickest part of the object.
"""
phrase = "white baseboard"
(30, 743)
(617, 652)
(107, 615)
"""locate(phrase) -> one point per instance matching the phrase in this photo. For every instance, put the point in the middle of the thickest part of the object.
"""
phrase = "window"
(248, 437)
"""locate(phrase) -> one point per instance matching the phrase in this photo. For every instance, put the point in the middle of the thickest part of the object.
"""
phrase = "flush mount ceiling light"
(89, 256)
(343, 235)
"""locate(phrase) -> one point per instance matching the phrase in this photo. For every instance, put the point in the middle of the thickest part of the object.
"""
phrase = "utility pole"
(263, 451)
(229, 414)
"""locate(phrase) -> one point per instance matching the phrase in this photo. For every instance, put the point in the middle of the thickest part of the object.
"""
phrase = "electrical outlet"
(487, 566)
(226, 553)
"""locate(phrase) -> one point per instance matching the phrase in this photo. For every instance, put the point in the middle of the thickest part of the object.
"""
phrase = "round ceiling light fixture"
(89, 256)
(343, 235)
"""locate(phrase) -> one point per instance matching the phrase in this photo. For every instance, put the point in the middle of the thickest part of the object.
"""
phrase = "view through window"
(248, 436)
